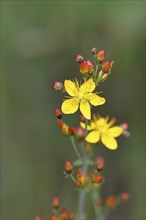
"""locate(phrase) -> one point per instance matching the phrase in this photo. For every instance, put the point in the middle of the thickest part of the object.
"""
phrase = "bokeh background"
(39, 42)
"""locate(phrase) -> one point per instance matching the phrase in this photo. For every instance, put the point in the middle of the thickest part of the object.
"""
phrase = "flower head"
(101, 129)
(81, 97)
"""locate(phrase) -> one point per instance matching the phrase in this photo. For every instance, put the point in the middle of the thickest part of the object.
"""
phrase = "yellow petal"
(109, 142)
(70, 87)
(93, 137)
(70, 106)
(115, 131)
(95, 99)
(83, 125)
(85, 109)
(88, 86)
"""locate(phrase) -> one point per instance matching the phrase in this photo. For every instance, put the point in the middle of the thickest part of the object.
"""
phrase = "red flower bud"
(58, 86)
(68, 166)
(58, 113)
(72, 130)
(56, 203)
(124, 196)
(90, 67)
(82, 118)
(94, 51)
(63, 126)
(64, 214)
(125, 126)
(71, 216)
(97, 179)
(111, 201)
(106, 66)
(84, 67)
(101, 55)
(77, 184)
(79, 59)
(37, 218)
(100, 163)
(80, 132)
(54, 217)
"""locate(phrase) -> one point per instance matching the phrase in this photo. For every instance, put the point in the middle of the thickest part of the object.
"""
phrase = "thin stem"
(73, 178)
(95, 195)
(75, 147)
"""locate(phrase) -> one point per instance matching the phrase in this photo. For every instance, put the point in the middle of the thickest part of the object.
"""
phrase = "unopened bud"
(80, 132)
(90, 67)
(84, 67)
(68, 167)
(124, 196)
(72, 130)
(100, 163)
(56, 203)
(54, 217)
(101, 55)
(82, 118)
(58, 113)
(64, 214)
(77, 184)
(111, 201)
(58, 86)
(124, 125)
(106, 66)
(71, 216)
(63, 126)
(97, 179)
(79, 59)
(37, 218)
(94, 51)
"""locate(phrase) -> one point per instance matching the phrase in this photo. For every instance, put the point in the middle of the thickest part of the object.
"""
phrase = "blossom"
(81, 96)
(101, 129)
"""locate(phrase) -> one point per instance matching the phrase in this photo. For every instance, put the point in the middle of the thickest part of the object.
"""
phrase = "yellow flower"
(102, 130)
(81, 97)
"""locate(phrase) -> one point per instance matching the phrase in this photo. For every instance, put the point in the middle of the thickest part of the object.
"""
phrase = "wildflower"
(102, 130)
(81, 97)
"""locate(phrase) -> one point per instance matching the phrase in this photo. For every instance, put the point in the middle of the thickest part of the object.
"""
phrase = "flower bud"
(111, 201)
(124, 196)
(79, 59)
(101, 55)
(63, 127)
(71, 216)
(94, 51)
(82, 118)
(77, 184)
(37, 218)
(72, 130)
(58, 113)
(90, 67)
(80, 132)
(54, 217)
(99, 202)
(124, 125)
(58, 86)
(106, 66)
(56, 203)
(84, 67)
(97, 178)
(100, 163)
(68, 167)
(64, 214)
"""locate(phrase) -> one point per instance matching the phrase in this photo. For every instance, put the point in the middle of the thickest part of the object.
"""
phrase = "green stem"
(75, 147)
(95, 195)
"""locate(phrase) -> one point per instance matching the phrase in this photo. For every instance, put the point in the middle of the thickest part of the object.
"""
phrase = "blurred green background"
(39, 42)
